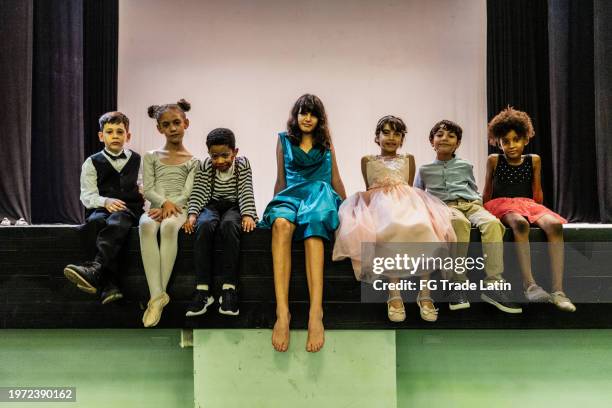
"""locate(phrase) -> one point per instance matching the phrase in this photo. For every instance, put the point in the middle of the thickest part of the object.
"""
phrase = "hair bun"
(152, 110)
(184, 105)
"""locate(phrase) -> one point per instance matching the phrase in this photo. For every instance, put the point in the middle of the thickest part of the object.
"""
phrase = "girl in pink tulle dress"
(391, 211)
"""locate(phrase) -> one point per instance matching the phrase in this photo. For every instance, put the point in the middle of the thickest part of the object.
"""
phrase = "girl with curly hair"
(513, 193)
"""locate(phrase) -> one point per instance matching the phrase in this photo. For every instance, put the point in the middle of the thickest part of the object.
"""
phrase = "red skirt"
(520, 205)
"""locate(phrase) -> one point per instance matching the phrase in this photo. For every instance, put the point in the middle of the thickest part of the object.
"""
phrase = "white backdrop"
(242, 64)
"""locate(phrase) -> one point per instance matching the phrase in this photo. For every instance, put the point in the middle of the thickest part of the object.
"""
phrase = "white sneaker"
(535, 294)
(5, 222)
(21, 222)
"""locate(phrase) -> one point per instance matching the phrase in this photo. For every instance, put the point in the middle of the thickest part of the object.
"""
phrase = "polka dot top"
(513, 181)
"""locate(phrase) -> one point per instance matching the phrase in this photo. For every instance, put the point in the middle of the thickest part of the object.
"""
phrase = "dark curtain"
(100, 43)
(15, 105)
(517, 72)
(57, 111)
(602, 32)
(553, 59)
(573, 108)
(59, 74)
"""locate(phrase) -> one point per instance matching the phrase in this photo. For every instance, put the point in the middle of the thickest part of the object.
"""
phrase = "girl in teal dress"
(307, 194)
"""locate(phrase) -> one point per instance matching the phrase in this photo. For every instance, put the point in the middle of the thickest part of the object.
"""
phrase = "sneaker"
(499, 299)
(21, 222)
(199, 304)
(110, 293)
(5, 222)
(228, 302)
(457, 300)
(535, 294)
(562, 302)
(86, 277)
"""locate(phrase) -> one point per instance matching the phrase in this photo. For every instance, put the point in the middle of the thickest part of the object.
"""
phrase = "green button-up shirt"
(448, 180)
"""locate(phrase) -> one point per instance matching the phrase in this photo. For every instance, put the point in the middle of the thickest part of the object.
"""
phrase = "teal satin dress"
(308, 201)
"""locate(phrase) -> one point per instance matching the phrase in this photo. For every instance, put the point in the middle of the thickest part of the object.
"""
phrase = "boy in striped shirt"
(221, 202)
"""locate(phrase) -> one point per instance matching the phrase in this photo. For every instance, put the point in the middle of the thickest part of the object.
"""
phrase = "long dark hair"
(308, 103)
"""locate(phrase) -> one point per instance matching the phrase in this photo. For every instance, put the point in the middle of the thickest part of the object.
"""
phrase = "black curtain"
(602, 32)
(573, 108)
(553, 59)
(517, 73)
(15, 90)
(100, 43)
(57, 111)
(60, 77)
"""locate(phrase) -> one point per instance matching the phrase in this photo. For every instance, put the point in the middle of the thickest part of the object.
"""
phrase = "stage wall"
(243, 63)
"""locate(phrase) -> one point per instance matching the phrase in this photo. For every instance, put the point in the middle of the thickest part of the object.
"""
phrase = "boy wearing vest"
(113, 202)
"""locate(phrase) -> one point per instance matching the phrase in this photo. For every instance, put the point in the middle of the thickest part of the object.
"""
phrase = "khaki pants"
(464, 215)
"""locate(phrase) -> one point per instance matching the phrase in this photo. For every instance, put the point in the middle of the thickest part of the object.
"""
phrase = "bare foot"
(280, 333)
(316, 334)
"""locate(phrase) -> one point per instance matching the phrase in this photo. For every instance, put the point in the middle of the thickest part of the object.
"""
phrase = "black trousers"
(110, 231)
(218, 218)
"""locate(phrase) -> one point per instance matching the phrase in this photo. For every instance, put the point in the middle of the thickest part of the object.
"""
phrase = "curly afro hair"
(507, 120)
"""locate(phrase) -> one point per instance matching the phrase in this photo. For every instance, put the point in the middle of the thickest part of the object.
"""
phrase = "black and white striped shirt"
(238, 188)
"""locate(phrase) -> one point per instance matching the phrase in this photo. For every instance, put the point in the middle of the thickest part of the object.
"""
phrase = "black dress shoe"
(86, 277)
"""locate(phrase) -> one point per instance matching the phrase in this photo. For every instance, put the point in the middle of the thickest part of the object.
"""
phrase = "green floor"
(504, 368)
(435, 368)
(109, 368)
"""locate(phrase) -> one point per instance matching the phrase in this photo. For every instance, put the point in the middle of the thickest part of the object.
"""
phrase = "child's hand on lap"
(114, 205)
(155, 214)
(248, 223)
(189, 225)
(169, 209)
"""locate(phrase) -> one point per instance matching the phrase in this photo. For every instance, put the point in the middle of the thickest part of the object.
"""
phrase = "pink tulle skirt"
(521, 205)
(389, 214)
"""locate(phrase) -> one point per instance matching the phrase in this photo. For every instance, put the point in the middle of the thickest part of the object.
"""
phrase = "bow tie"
(121, 156)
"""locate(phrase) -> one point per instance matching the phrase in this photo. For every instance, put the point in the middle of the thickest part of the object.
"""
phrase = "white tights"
(158, 259)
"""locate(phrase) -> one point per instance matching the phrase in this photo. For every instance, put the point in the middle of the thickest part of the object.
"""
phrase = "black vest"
(122, 185)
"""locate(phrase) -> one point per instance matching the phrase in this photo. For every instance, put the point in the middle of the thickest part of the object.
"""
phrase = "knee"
(205, 227)
(229, 227)
(461, 225)
(96, 221)
(168, 230)
(494, 229)
(282, 226)
(147, 226)
(520, 227)
(554, 229)
(120, 219)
